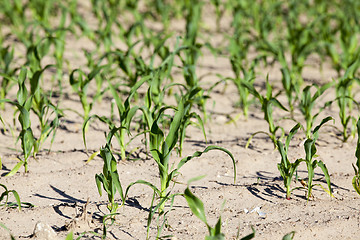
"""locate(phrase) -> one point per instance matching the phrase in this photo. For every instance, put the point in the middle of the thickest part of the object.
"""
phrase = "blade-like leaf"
(209, 148)
(15, 169)
(195, 204)
(327, 176)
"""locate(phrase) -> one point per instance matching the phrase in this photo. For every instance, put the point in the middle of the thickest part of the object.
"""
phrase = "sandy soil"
(62, 188)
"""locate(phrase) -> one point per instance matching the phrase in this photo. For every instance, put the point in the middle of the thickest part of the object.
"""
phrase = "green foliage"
(311, 163)
(4, 227)
(356, 178)
(286, 168)
(129, 51)
(344, 98)
(5, 196)
(109, 178)
(36, 101)
(289, 236)
(79, 82)
(7, 71)
(267, 102)
(197, 208)
(307, 103)
(126, 114)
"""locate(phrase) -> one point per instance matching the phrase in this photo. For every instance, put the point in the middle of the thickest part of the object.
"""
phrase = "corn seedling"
(289, 83)
(80, 81)
(311, 163)
(307, 102)
(193, 50)
(36, 52)
(13, 12)
(267, 102)
(302, 40)
(57, 37)
(38, 102)
(343, 57)
(43, 109)
(5, 196)
(126, 114)
(242, 74)
(132, 66)
(78, 21)
(345, 100)
(356, 178)
(26, 136)
(7, 72)
(109, 178)
(161, 148)
(287, 168)
(197, 207)
(163, 11)
(189, 98)
(161, 220)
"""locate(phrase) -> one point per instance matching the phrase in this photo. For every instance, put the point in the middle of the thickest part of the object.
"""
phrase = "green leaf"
(153, 187)
(209, 148)
(250, 236)
(4, 227)
(316, 129)
(22, 93)
(17, 198)
(69, 236)
(293, 131)
(356, 184)
(327, 176)
(289, 236)
(173, 134)
(15, 169)
(195, 204)
(219, 236)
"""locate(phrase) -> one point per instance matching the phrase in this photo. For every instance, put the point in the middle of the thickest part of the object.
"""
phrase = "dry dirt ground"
(62, 188)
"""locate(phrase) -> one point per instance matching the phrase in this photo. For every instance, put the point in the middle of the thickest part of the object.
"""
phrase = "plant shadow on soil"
(267, 187)
(66, 198)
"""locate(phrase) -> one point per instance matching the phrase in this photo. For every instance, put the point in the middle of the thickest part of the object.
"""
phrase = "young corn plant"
(193, 50)
(311, 163)
(301, 39)
(79, 82)
(356, 178)
(161, 148)
(26, 135)
(345, 100)
(289, 82)
(5, 196)
(109, 179)
(287, 168)
(189, 97)
(267, 102)
(126, 114)
(132, 65)
(7, 72)
(57, 37)
(342, 46)
(44, 109)
(36, 101)
(242, 74)
(307, 102)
